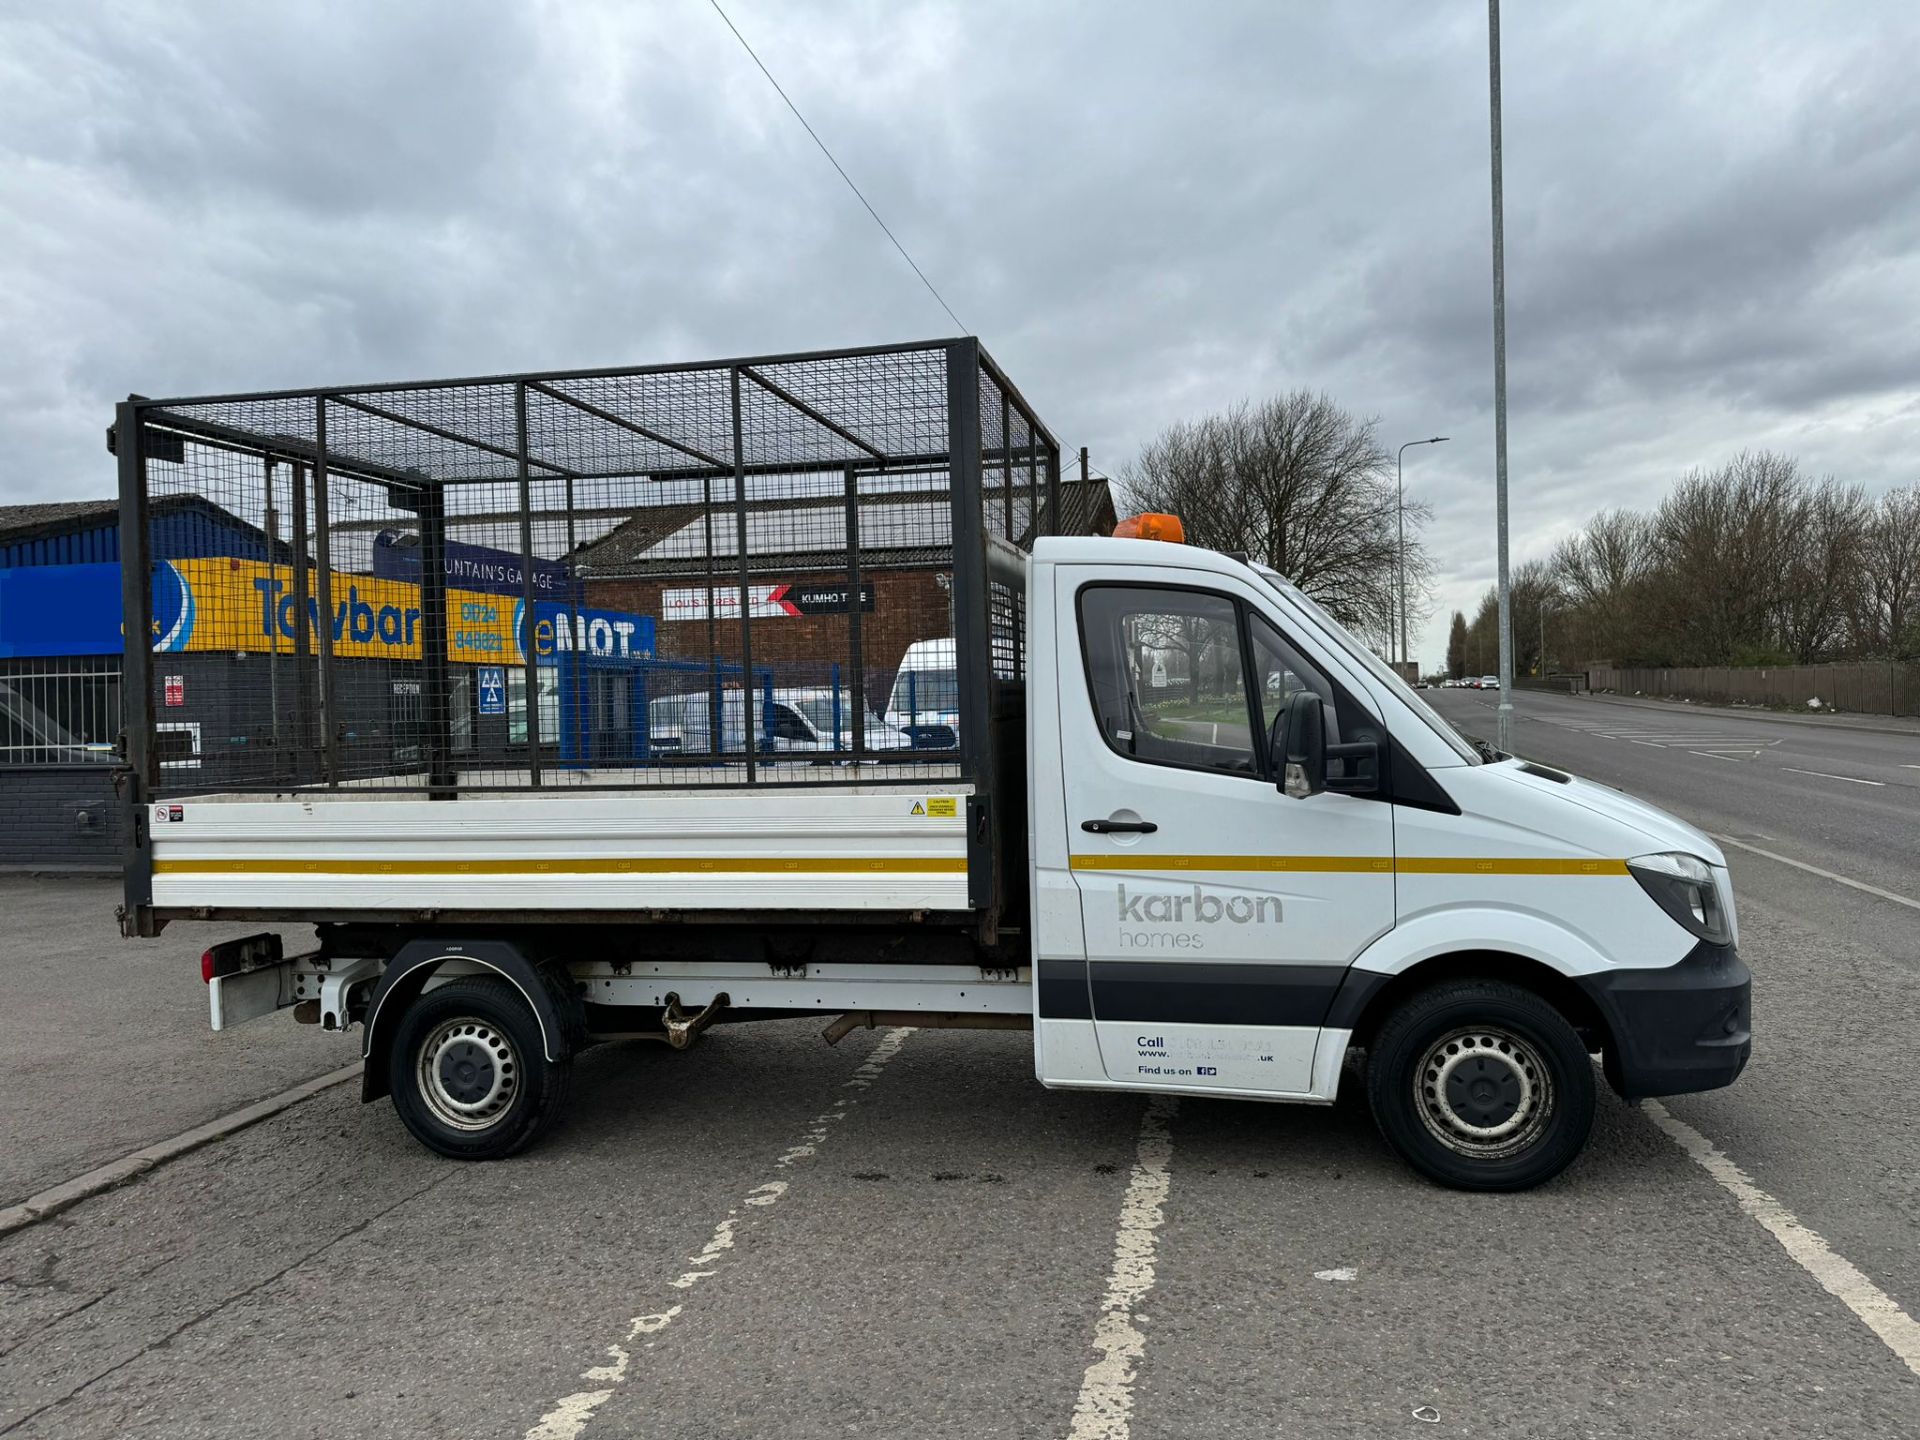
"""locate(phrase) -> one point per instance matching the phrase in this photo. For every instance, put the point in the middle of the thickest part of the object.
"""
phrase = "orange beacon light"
(1151, 526)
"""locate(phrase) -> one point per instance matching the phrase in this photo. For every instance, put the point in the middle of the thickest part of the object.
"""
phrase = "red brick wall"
(908, 605)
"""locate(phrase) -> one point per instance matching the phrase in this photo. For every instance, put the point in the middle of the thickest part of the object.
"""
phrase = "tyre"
(469, 1073)
(1481, 1085)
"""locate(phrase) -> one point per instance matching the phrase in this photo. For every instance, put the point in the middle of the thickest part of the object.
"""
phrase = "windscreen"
(1376, 667)
(919, 691)
(820, 710)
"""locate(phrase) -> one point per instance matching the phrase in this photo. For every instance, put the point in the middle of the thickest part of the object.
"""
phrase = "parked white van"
(926, 695)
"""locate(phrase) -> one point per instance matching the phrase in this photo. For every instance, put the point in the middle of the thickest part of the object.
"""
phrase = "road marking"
(1837, 1275)
(1708, 754)
(1104, 1410)
(1910, 903)
(1824, 775)
(71, 1192)
(570, 1413)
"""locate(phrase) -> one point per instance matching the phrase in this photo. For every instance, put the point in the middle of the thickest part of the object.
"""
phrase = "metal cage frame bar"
(979, 556)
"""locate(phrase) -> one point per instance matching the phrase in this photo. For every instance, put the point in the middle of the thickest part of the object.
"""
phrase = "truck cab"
(1256, 850)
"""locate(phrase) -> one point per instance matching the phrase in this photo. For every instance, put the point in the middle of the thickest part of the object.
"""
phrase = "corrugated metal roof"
(85, 532)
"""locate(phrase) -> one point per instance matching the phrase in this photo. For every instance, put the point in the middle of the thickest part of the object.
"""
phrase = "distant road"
(1839, 798)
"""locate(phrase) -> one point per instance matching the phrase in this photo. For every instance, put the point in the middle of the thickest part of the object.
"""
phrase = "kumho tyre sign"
(763, 601)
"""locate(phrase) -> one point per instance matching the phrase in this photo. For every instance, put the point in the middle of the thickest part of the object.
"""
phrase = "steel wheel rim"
(468, 1073)
(1483, 1091)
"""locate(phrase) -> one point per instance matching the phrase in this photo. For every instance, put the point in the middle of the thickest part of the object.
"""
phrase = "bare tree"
(1822, 578)
(1748, 563)
(1303, 485)
(1886, 608)
(1603, 573)
(1457, 647)
(1535, 594)
(1721, 542)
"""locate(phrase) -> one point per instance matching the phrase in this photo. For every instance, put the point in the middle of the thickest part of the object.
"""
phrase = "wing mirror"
(1300, 753)
(1300, 757)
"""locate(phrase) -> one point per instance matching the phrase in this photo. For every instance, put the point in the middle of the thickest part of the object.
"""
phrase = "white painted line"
(570, 1413)
(128, 1167)
(1711, 756)
(1910, 903)
(1850, 779)
(1837, 1275)
(1104, 1410)
(1905, 766)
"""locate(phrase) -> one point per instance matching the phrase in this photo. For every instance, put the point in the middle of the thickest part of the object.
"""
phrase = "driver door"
(1220, 915)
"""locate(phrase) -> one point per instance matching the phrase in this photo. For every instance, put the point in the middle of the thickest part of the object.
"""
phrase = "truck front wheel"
(469, 1072)
(1481, 1085)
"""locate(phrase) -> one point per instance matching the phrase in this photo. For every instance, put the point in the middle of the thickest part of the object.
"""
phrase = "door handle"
(1119, 827)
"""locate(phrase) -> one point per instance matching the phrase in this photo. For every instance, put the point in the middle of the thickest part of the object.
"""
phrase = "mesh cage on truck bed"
(797, 570)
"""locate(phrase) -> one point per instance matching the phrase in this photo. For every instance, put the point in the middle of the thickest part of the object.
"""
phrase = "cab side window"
(1281, 672)
(1168, 677)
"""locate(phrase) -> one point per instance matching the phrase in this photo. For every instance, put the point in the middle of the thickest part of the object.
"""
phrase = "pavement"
(104, 1045)
(1844, 719)
(906, 1235)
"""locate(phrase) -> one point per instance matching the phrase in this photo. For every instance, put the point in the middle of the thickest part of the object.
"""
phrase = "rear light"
(236, 957)
(1152, 526)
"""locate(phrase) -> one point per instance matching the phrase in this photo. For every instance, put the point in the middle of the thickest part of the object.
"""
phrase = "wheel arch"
(547, 994)
(1365, 997)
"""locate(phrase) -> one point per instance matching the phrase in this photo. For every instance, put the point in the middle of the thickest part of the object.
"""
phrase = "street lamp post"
(1503, 731)
(1400, 554)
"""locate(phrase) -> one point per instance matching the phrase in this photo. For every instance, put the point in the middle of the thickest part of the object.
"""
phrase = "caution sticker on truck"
(944, 807)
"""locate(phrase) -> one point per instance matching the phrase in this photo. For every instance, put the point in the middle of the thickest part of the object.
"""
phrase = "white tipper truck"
(1222, 850)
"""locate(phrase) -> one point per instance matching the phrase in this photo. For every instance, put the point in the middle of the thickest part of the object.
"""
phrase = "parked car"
(802, 720)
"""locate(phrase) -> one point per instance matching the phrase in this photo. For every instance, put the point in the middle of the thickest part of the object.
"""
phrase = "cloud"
(1713, 220)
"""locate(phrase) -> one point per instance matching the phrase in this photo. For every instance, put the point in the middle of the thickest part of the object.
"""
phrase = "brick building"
(661, 563)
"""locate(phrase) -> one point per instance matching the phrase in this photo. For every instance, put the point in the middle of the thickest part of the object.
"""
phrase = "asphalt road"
(906, 1235)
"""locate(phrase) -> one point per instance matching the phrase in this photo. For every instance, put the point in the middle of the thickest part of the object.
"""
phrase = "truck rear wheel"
(469, 1072)
(1481, 1085)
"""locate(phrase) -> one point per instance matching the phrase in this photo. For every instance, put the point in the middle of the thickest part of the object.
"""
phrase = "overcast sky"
(1145, 211)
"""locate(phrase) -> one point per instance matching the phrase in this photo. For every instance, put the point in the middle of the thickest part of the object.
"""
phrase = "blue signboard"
(470, 567)
(493, 689)
(60, 610)
(614, 635)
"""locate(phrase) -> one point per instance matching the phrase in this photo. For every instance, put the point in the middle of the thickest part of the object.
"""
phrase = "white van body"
(925, 703)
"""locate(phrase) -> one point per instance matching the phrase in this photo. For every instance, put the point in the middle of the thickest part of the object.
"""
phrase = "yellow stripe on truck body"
(813, 850)
(1351, 864)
